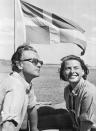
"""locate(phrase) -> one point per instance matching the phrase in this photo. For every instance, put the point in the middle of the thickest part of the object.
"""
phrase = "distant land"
(5, 66)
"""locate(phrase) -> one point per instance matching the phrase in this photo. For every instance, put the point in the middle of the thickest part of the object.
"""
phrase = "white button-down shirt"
(15, 97)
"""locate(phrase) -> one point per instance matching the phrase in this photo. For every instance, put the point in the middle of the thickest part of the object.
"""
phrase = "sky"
(83, 12)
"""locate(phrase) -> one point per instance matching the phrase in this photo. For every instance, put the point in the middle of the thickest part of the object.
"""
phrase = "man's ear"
(19, 65)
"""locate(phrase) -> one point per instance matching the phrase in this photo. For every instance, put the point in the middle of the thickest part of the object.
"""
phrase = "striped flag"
(43, 27)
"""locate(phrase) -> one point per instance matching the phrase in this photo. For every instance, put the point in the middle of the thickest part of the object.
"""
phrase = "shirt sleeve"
(32, 99)
(88, 108)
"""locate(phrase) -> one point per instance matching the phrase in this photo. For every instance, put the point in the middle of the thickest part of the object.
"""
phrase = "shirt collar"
(22, 80)
(78, 86)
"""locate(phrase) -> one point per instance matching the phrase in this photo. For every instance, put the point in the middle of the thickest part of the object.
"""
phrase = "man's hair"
(18, 54)
(73, 57)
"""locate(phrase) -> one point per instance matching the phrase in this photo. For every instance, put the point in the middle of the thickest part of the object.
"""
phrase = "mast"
(14, 25)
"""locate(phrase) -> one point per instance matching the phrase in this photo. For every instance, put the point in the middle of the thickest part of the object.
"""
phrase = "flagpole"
(14, 25)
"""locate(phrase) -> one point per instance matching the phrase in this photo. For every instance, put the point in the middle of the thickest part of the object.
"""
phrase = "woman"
(79, 94)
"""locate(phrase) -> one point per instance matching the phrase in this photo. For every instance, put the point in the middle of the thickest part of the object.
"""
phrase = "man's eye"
(76, 68)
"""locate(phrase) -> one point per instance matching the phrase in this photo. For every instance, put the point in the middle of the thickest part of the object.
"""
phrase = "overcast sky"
(82, 12)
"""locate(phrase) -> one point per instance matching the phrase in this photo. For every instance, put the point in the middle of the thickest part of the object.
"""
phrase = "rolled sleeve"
(13, 104)
(88, 109)
(85, 117)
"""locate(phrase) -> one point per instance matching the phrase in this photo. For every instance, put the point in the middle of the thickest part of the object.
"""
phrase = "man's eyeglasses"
(34, 61)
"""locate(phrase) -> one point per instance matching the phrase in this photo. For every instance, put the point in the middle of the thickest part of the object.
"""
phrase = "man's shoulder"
(10, 82)
(5, 83)
(5, 80)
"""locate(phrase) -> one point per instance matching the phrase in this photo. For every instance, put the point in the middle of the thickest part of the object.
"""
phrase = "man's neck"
(26, 76)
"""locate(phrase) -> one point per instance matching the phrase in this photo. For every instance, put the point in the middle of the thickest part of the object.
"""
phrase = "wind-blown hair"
(73, 57)
(16, 58)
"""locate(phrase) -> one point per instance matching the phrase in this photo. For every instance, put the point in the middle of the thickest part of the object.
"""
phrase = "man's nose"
(38, 65)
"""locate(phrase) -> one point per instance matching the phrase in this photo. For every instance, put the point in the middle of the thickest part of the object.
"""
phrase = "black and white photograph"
(47, 65)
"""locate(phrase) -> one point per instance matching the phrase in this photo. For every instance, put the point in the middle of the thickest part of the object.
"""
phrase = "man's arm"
(2, 95)
(33, 119)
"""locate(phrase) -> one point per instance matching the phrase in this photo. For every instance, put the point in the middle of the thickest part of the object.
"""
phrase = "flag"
(43, 27)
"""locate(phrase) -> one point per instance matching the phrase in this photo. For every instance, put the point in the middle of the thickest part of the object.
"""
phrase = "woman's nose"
(72, 70)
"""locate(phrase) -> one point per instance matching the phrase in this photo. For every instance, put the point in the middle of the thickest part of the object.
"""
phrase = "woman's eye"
(67, 68)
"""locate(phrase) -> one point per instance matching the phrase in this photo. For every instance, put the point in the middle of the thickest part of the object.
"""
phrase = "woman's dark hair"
(18, 54)
(73, 57)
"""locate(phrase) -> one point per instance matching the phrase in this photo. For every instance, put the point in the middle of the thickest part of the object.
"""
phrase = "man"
(79, 94)
(16, 92)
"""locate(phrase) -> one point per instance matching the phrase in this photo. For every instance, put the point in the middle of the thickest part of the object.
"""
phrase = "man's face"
(30, 67)
(73, 71)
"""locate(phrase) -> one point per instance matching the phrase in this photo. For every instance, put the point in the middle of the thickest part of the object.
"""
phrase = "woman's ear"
(83, 72)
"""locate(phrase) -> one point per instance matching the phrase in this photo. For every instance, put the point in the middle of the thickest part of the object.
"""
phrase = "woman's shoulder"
(90, 87)
(66, 89)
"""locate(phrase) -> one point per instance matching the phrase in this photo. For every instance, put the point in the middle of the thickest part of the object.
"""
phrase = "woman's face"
(73, 71)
